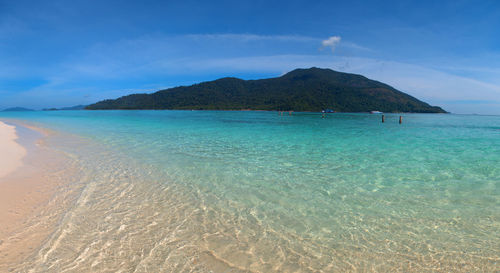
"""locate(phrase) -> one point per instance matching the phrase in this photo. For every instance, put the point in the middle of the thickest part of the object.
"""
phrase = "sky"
(65, 53)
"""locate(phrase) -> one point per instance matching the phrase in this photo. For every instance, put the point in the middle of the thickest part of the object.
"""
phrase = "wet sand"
(29, 205)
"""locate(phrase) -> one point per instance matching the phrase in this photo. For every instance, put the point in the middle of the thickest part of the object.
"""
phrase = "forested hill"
(311, 89)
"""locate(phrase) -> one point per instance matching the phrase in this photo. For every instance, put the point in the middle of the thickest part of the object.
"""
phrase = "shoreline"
(32, 195)
(255, 110)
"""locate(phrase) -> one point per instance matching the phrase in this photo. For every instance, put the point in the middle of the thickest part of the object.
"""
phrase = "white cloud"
(331, 42)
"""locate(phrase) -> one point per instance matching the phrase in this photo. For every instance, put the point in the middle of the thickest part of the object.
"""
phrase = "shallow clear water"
(228, 191)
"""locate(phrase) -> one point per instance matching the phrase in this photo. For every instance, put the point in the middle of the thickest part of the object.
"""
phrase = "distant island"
(76, 107)
(17, 109)
(308, 90)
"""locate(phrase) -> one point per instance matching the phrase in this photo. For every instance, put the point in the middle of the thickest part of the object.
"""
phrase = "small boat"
(375, 112)
(328, 111)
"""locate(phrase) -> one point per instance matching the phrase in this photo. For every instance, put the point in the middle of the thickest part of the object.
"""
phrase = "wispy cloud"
(251, 37)
(354, 46)
(331, 42)
(9, 26)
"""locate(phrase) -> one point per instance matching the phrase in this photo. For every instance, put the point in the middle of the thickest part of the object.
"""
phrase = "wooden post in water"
(383, 118)
(290, 113)
(400, 119)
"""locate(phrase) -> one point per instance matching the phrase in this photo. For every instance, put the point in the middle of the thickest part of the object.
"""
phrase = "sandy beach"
(29, 206)
(12, 153)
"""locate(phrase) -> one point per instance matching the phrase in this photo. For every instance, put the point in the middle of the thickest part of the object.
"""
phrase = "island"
(307, 90)
(17, 109)
(76, 107)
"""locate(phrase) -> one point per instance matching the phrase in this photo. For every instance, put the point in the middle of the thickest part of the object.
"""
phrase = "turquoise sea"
(239, 191)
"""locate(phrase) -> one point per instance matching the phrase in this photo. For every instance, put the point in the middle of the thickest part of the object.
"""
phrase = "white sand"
(11, 153)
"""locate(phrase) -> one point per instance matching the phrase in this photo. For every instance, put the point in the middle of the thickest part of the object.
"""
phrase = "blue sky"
(63, 53)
